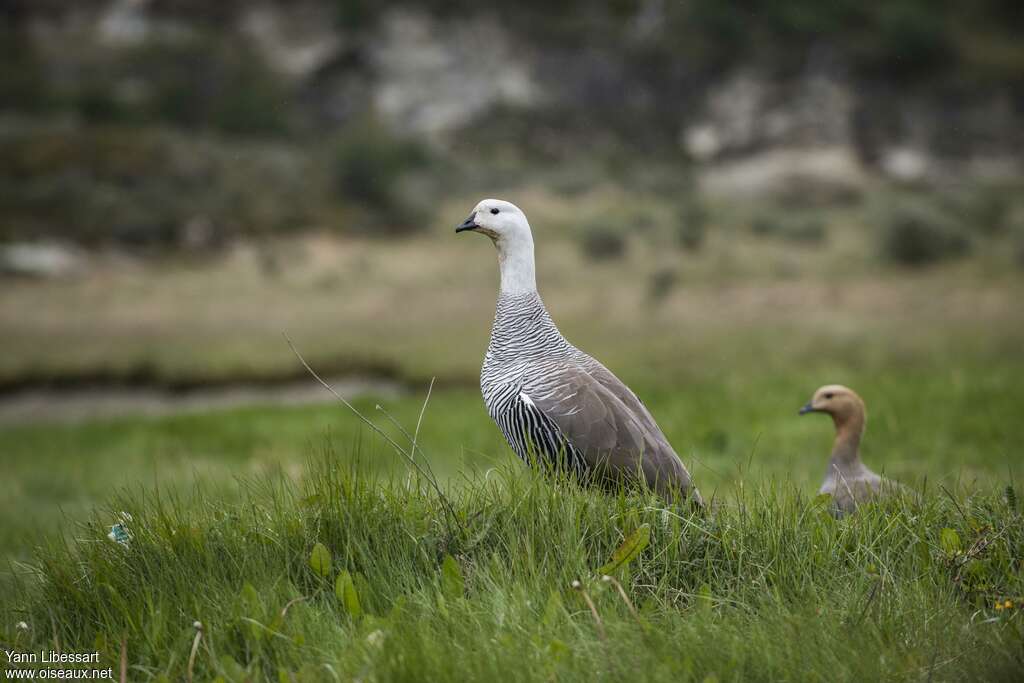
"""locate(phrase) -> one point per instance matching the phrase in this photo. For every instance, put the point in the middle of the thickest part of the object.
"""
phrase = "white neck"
(515, 258)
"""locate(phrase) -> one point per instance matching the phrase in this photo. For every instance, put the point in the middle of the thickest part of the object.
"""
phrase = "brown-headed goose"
(847, 480)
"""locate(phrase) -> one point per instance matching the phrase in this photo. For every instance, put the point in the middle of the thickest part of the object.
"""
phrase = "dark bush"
(807, 230)
(915, 234)
(23, 85)
(804, 229)
(207, 81)
(984, 210)
(692, 227)
(146, 188)
(1018, 245)
(767, 225)
(601, 242)
(370, 167)
(661, 284)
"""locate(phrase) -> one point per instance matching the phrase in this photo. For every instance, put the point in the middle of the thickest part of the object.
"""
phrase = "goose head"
(502, 221)
(508, 228)
(842, 403)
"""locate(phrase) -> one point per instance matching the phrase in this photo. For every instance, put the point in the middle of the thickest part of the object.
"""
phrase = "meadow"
(733, 204)
(306, 548)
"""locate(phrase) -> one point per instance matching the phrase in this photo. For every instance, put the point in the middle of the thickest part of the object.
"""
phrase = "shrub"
(204, 81)
(370, 167)
(601, 242)
(808, 230)
(917, 234)
(766, 225)
(661, 284)
(23, 85)
(1018, 245)
(139, 187)
(692, 229)
(986, 210)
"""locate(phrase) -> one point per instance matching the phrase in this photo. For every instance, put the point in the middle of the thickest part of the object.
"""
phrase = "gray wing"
(610, 427)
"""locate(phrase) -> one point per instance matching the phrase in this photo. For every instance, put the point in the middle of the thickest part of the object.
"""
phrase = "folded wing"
(608, 425)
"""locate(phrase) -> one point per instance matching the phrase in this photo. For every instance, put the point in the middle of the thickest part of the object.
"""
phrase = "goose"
(847, 479)
(554, 404)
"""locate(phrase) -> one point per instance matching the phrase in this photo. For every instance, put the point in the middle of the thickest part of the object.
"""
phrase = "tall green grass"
(766, 586)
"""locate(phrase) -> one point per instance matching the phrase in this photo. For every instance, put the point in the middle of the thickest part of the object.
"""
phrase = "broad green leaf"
(949, 540)
(345, 590)
(452, 585)
(630, 548)
(320, 560)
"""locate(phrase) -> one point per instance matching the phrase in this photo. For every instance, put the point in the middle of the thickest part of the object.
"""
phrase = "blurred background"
(733, 203)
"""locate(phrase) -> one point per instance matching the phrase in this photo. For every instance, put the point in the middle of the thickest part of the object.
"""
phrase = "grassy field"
(227, 505)
(959, 426)
(421, 307)
(347, 577)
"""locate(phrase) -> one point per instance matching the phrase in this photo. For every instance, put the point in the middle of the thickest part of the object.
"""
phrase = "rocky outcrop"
(433, 75)
(747, 113)
(434, 78)
(40, 260)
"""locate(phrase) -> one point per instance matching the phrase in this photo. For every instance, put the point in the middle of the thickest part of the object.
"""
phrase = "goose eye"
(494, 211)
(828, 395)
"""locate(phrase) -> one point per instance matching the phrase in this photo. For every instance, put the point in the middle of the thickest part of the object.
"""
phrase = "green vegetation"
(186, 321)
(347, 575)
(910, 41)
(227, 507)
(603, 242)
(799, 228)
(206, 81)
(218, 127)
(256, 177)
(128, 185)
(1018, 247)
(662, 282)
(927, 420)
(370, 166)
(917, 234)
(692, 229)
